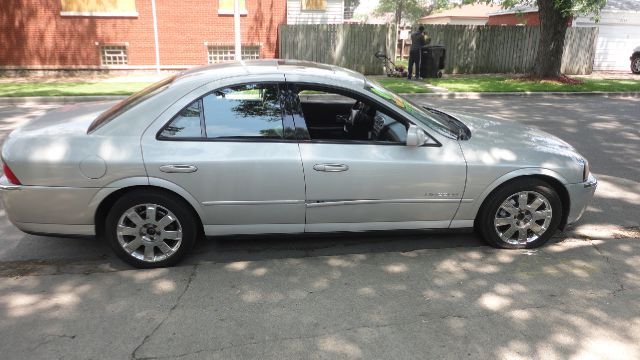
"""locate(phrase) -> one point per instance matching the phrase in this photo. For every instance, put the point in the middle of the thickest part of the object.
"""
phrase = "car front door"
(231, 151)
(373, 182)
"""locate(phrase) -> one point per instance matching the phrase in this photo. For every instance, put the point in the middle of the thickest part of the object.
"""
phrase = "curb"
(55, 100)
(480, 95)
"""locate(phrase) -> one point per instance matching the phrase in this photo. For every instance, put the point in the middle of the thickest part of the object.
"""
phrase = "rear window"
(129, 102)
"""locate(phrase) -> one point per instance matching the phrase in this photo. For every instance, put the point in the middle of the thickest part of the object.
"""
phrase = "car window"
(334, 115)
(246, 111)
(414, 109)
(187, 124)
(130, 102)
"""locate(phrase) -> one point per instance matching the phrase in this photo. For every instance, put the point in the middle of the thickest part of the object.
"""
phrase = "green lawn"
(507, 84)
(403, 86)
(69, 89)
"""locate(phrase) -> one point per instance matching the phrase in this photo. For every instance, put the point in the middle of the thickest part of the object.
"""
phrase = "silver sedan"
(279, 146)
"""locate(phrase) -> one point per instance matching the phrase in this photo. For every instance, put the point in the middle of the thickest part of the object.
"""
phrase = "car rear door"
(360, 185)
(231, 151)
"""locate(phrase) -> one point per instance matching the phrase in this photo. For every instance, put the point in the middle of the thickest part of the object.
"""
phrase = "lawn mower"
(390, 68)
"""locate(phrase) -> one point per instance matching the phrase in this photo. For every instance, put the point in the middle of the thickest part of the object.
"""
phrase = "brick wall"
(32, 32)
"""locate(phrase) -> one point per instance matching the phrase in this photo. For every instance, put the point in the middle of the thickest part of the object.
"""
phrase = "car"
(635, 61)
(282, 146)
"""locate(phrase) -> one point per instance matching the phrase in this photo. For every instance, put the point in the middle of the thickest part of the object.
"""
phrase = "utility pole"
(155, 34)
(236, 25)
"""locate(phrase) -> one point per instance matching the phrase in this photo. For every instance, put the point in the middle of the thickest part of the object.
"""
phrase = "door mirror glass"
(416, 136)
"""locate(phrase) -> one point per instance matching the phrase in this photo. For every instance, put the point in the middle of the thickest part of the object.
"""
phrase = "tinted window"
(186, 123)
(246, 111)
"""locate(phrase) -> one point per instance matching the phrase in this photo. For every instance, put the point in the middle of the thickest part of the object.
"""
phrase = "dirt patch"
(563, 79)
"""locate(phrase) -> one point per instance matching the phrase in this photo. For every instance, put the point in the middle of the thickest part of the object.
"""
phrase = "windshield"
(130, 102)
(416, 110)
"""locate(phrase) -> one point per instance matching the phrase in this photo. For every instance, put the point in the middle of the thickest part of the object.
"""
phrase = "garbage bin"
(432, 61)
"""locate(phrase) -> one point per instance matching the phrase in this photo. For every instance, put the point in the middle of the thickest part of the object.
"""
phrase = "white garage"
(619, 34)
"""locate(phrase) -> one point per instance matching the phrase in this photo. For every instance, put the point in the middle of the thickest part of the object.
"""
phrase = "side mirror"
(416, 136)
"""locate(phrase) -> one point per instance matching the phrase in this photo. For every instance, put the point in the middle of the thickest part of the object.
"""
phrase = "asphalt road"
(371, 296)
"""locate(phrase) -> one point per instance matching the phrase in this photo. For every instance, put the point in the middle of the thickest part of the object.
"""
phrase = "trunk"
(553, 27)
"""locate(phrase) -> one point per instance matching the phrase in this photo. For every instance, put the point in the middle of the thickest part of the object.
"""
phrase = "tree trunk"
(553, 27)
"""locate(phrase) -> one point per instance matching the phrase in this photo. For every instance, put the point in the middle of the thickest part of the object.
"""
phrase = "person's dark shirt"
(417, 40)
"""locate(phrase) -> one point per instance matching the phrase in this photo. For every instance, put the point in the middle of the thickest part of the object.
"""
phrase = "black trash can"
(432, 61)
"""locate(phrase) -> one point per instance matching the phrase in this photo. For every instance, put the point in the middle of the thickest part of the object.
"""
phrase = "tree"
(411, 10)
(554, 19)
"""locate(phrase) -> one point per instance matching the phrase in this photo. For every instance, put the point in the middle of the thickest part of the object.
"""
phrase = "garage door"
(615, 45)
(618, 36)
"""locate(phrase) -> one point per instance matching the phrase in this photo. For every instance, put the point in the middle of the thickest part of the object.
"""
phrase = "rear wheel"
(635, 64)
(150, 229)
(522, 214)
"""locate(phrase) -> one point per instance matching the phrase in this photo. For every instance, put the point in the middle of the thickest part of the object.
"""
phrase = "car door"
(231, 151)
(366, 185)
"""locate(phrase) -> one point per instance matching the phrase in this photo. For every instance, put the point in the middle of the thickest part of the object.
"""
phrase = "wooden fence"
(352, 46)
(470, 49)
(509, 49)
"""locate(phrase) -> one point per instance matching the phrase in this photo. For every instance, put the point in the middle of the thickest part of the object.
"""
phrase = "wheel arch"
(107, 196)
(555, 180)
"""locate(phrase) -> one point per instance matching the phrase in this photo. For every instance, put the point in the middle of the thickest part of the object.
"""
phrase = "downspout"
(236, 26)
(155, 34)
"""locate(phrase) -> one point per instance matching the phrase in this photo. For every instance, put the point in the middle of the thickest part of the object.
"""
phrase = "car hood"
(510, 134)
(67, 119)
(508, 144)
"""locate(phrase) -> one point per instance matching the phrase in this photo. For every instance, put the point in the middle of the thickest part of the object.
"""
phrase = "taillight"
(10, 175)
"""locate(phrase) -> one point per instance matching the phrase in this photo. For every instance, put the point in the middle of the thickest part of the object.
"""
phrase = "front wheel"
(635, 64)
(522, 214)
(150, 229)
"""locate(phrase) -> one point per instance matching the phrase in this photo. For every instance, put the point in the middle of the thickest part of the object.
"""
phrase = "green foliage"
(411, 10)
(567, 7)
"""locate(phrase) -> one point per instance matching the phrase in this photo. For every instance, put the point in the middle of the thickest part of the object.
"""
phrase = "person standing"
(415, 52)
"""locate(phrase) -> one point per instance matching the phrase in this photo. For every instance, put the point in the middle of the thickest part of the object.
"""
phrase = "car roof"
(293, 68)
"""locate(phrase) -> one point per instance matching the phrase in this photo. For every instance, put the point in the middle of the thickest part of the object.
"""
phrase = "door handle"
(330, 167)
(178, 168)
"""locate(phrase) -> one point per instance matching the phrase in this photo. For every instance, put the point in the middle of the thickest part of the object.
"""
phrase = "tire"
(635, 64)
(170, 235)
(523, 227)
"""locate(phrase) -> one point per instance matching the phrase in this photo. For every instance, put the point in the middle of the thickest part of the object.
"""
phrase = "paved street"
(372, 296)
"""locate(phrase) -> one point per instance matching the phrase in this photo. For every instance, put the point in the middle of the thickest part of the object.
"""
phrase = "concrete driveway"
(370, 296)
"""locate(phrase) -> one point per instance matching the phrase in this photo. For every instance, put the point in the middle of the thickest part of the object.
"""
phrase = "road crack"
(615, 275)
(155, 329)
(420, 318)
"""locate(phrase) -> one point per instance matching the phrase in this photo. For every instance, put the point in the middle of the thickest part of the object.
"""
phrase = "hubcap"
(523, 217)
(149, 232)
(636, 65)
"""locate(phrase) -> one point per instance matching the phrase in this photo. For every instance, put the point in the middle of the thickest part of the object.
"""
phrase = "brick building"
(119, 34)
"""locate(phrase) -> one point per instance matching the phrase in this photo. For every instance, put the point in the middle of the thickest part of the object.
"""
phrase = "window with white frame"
(222, 53)
(113, 55)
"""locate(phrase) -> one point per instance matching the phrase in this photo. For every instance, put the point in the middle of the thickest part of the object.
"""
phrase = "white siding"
(618, 36)
(333, 14)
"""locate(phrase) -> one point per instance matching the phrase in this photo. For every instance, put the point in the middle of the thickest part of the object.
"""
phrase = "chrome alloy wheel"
(523, 217)
(149, 232)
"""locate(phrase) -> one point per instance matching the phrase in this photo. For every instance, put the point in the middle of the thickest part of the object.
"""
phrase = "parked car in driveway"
(280, 146)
